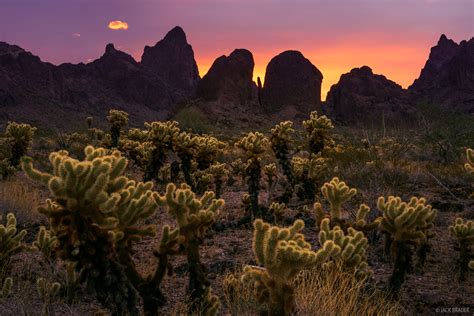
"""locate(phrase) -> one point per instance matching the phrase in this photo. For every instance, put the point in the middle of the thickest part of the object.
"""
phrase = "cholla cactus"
(45, 243)
(280, 140)
(194, 217)
(203, 181)
(278, 211)
(270, 172)
(185, 146)
(238, 168)
(463, 231)
(353, 246)
(207, 151)
(118, 120)
(470, 161)
(11, 241)
(161, 137)
(281, 254)
(19, 137)
(95, 213)
(46, 291)
(254, 146)
(6, 288)
(336, 192)
(219, 172)
(307, 173)
(317, 129)
(406, 224)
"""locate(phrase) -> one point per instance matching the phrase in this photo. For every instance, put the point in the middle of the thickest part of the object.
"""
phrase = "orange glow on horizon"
(401, 64)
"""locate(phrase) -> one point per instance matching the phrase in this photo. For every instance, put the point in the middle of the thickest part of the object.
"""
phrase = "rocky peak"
(362, 96)
(176, 35)
(448, 76)
(172, 59)
(291, 80)
(229, 79)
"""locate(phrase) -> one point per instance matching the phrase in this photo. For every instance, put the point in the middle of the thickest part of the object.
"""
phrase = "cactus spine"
(11, 241)
(406, 223)
(281, 254)
(46, 291)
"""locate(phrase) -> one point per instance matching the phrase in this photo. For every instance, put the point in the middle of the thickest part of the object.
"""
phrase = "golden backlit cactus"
(406, 225)
(45, 243)
(336, 192)
(161, 136)
(277, 210)
(463, 231)
(207, 151)
(194, 215)
(281, 253)
(19, 138)
(97, 214)
(6, 288)
(185, 146)
(117, 120)
(220, 173)
(11, 241)
(353, 246)
(47, 291)
(270, 172)
(307, 173)
(317, 128)
(470, 161)
(253, 146)
(280, 140)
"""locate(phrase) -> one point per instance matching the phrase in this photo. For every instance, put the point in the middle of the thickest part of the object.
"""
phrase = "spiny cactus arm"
(470, 160)
(11, 241)
(463, 230)
(46, 289)
(32, 173)
(45, 242)
(405, 221)
(6, 288)
(336, 192)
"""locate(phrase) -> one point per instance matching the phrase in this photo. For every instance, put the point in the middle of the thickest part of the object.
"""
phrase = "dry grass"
(317, 292)
(21, 199)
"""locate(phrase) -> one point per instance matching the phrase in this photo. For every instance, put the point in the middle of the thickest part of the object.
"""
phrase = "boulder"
(291, 80)
(229, 80)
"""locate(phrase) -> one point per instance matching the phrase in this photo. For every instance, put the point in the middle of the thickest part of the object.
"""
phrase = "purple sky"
(392, 37)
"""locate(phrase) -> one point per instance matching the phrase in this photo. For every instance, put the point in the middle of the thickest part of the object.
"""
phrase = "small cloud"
(89, 60)
(118, 25)
(76, 34)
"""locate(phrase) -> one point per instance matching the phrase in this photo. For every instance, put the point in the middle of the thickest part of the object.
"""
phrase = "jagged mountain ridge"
(167, 79)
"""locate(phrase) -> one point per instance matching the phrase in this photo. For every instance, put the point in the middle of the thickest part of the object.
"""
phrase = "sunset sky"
(392, 37)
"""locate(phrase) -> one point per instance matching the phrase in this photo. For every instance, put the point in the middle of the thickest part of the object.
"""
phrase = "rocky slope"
(448, 76)
(362, 96)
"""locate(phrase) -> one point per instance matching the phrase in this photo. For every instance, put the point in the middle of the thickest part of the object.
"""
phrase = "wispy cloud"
(118, 25)
(76, 34)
